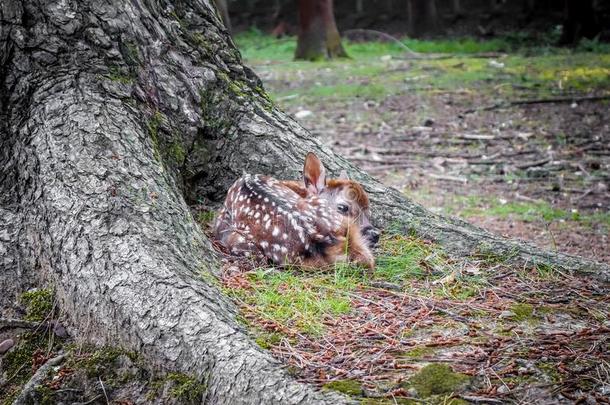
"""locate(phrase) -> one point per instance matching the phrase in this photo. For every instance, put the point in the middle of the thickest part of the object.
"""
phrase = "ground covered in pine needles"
(424, 327)
(516, 143)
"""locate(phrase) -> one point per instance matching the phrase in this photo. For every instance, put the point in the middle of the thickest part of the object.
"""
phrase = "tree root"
(26, 395)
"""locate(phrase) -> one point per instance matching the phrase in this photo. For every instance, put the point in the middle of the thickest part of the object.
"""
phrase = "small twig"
(536, 163)
(383, 35)
(448, 178)
(475, 399)
(104, 390)
(506, 104)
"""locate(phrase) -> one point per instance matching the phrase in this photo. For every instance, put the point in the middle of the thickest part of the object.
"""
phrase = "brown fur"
(293, 222)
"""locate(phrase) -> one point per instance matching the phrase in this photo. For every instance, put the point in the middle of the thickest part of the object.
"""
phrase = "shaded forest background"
(486, 18)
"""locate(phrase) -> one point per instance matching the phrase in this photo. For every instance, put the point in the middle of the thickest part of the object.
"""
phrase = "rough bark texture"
(101, 103)
(318, 35)
(114, 115)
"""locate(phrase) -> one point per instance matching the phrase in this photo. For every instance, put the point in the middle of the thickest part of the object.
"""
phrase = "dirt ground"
(454, 134)
(548, 164)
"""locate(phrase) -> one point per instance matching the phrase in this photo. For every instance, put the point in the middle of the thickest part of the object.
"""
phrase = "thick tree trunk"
(112, 116)
(318, 35)
(422, 17)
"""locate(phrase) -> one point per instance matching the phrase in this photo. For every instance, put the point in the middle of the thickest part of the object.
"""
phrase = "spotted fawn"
(313, 223)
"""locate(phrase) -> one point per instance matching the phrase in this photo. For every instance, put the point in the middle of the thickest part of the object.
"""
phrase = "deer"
(313, 223)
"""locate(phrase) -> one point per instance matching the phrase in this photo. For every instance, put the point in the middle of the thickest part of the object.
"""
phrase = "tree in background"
(223, 9)
(580, 21)
(318, 35)
(423, 17)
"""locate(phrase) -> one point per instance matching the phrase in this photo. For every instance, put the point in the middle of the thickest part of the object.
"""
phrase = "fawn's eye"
(342, 208)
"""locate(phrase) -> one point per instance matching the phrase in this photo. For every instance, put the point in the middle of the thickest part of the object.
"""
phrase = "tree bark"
(114, 115)
(422, 18)
(318, 35)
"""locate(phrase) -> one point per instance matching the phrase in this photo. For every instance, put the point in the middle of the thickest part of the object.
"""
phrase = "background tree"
(223, 9)
(318, 35)
(115, 115)
(422, 17)
(580, 21)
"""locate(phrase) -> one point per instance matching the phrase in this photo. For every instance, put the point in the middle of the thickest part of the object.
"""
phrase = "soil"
(539, 172)
(426, 145)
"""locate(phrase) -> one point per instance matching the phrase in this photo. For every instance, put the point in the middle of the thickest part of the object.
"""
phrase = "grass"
(376, 70)
(256, 45)
(404, 257)
(475, 205)
(299, 301)
(302, 301)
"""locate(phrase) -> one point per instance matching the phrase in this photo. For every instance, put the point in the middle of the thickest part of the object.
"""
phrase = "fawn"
(313, 223)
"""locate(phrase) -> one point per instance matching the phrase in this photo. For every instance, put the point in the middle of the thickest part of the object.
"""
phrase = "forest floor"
(447, 128)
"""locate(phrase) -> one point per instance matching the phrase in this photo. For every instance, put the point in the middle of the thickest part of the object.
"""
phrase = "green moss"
(116, 75)
(182, 387)
(522, 311)
(38, 303)
(419, 352)
(153, 130)
(437, 379)
(44, 395)
(267, 340)
(186, 388)
(550, 370)
(491, 256)
(388, 401)
(17, 363)
(348, 387)
(100, 361)
(177, 152)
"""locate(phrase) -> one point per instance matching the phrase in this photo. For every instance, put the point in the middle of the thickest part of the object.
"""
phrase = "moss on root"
(182, 387)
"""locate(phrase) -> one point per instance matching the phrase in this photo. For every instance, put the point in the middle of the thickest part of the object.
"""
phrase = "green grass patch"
(377, 70)
(301, 301)
(469, 206)
(419, 352)
(206, 217)
(405, 257)
(522, 311)
(437, 379)
(348, 387)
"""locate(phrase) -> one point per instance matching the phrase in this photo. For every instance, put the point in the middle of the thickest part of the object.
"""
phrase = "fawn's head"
(346, 196)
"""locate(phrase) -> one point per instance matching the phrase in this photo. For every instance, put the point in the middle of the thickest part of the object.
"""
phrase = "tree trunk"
(223, 10)
(579, 21)
(318, 35)
(422, 17)
(112, 116)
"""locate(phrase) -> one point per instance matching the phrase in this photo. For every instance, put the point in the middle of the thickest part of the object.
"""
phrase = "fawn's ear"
(343, 175)
(314, 174)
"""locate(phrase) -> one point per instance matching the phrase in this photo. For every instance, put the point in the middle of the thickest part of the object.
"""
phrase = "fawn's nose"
(371, 234)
